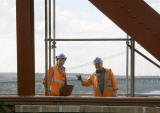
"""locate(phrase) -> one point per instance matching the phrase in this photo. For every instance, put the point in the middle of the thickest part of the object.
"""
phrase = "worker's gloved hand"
(79, 77)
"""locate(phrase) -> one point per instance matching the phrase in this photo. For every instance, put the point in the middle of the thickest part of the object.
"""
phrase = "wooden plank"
(69, 100)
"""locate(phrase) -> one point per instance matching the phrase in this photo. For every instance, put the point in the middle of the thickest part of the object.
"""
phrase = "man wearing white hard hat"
(58, 75)
(102, 80)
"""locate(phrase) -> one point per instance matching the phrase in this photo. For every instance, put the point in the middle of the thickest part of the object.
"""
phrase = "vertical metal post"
(132, 68)
(54, 30)
(127, 54)
(25, 47)
(50, 47)
(46, 46)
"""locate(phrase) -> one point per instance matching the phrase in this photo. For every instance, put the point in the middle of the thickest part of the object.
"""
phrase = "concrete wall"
(86, 108)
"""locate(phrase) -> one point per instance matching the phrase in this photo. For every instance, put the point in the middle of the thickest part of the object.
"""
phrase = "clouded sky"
(74, 19)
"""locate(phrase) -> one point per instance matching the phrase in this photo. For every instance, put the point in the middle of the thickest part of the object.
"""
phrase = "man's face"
(98, 66)
(60, 61)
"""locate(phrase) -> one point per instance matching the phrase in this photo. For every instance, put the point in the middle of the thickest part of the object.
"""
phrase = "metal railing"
(130, 43)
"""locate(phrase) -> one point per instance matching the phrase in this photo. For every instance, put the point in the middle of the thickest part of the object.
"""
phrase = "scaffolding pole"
(144, 56)
(50, 47)
(132, 68)
(54, 31)
(89, 39)
(127, 54)
(46, 47)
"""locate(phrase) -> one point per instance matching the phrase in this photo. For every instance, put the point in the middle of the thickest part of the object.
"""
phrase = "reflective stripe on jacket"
(58, 79)
(110, 84)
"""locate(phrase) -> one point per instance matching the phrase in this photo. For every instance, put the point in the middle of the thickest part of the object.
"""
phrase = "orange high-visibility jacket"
(58, 80)
(110, 84)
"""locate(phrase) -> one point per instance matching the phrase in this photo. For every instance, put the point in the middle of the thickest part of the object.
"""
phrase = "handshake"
(79, 77)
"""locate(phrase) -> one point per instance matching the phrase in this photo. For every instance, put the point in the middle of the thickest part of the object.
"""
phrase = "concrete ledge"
(153, 110)
(111, 109)
(85, 108)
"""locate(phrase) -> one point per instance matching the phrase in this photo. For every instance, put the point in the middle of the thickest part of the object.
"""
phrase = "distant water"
(154, 92)
(143, 84)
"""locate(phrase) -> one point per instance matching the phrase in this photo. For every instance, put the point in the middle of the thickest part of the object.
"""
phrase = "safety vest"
(58, 79)
(110, 84)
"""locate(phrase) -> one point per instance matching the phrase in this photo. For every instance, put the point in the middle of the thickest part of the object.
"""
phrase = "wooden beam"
(137, 19)
(25, 47)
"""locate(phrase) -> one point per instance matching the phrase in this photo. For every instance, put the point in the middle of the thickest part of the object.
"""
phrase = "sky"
(74, 19)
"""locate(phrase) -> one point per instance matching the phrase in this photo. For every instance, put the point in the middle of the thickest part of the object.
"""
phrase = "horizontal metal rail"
(51, 100)
(90, 39)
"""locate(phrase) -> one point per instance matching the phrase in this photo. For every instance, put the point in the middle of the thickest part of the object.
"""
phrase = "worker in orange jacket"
(58, 76)
(103, 80)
